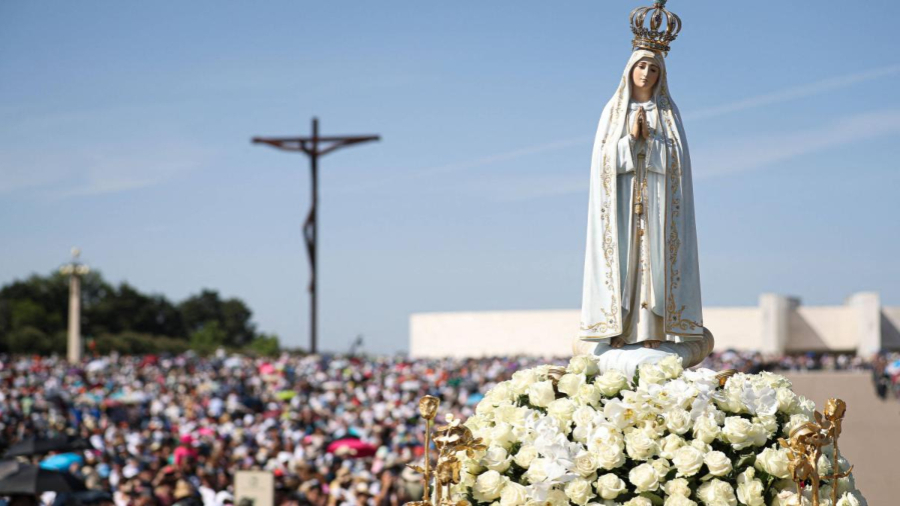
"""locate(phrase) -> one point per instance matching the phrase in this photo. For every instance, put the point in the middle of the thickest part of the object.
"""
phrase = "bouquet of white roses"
(666, 437)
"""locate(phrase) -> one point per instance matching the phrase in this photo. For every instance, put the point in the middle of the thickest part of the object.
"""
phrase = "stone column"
(74, 348)
(775, 311)
(867, 313)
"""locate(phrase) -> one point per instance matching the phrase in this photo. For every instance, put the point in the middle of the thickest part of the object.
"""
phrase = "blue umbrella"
(474, 399)
(61, 461)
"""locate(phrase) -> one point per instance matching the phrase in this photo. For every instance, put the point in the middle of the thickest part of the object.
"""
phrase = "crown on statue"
(658, 35)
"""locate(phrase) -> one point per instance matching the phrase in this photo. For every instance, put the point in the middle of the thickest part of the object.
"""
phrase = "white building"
(778, 324)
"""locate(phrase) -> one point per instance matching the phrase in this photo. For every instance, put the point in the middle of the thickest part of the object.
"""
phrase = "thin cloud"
(761, 151)
(772, 98)
(794, 93)
(102, 170)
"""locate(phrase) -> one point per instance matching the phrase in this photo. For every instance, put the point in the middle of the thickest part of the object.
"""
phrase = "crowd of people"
(332, 430)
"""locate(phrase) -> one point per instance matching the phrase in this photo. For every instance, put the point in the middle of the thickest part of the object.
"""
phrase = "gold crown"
(654, 38)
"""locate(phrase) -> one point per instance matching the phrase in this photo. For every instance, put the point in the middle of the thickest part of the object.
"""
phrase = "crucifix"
(314, 147)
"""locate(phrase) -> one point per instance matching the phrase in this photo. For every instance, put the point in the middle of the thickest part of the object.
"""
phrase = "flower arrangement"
(667, 437)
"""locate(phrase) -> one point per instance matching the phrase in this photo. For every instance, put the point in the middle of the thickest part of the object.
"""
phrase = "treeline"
(34, 315)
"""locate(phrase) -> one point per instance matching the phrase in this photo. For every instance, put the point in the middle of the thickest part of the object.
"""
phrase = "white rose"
(639, 501)
(739, 432)
(678, 486)
(662, 467)
(644, 478)
(579, 491)
(488, 486)
(569, 383)
(769, 423)
(824, 465)
(583, 364)
(502, 392)
(774, 462)
(678, 421)
(787, 400)
(717, 493)
(585, 463)
(502, 434)
(557, 497)
(807, 407)
(522, 380)
(525, 456)
(678, 500)
(640, 446)
(609, 456)
(669, 444)
(731, 400)
(671, 366)
(541, 394)
(718, 463)
(650, 374)
(589, 394)
(512, 416)
(513, 494)
(562, 410)
(750, 490)
(700, 445)
(758, 434)
(706, 429)
(789, 498)
(609, 486)
(584, 416)
(605, 434)
(466, 479)
(496, 459)
(688, 460)
(538, 471)
(794, 422)
(848, 499)
(611, 383)
(845, 485)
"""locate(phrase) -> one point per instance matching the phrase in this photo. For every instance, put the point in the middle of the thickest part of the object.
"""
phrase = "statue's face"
(645, 74)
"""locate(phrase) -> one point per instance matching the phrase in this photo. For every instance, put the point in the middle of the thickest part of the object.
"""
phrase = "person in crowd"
(175, 430)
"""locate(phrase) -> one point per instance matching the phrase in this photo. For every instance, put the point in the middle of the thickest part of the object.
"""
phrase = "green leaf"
(745, 460)
(655, 499)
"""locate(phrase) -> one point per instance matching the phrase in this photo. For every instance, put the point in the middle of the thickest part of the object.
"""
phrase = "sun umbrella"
(61, 461)
(40, 446)
(87, 497)
(286, 395)
(352, 448)
(10, 466)
(32, 480)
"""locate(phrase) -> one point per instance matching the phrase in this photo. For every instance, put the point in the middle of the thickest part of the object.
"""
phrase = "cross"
(314, 147)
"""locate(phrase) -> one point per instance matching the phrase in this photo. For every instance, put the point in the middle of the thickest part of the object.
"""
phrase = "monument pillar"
(867, 313)
(775, 311)
(74, 270)
(74, 342)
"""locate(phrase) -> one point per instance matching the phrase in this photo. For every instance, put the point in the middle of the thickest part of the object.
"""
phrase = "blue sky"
(126, 131)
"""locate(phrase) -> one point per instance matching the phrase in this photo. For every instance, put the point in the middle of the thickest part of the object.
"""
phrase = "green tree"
(34, 312)
(208, 338)
(265, 345)
(232, 315)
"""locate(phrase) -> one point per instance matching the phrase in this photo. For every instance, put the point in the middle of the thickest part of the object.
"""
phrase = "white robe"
(641, 255)
(662, 301)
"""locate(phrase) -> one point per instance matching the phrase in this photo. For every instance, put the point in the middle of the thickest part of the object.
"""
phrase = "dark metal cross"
(314, 147)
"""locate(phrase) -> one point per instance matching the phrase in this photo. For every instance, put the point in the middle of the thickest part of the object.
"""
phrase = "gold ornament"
(452, 438)
(654, 37)
(805, 447)
(428, 407)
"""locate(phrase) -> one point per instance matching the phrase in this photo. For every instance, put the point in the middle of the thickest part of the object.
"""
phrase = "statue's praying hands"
(641, 127)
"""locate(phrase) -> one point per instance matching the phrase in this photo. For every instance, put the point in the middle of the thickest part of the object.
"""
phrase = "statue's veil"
(601, 302)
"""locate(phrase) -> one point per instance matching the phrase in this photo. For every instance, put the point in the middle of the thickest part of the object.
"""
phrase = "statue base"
(628, 358)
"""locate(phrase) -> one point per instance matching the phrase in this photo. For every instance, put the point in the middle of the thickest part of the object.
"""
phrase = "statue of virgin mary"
(641, 273)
